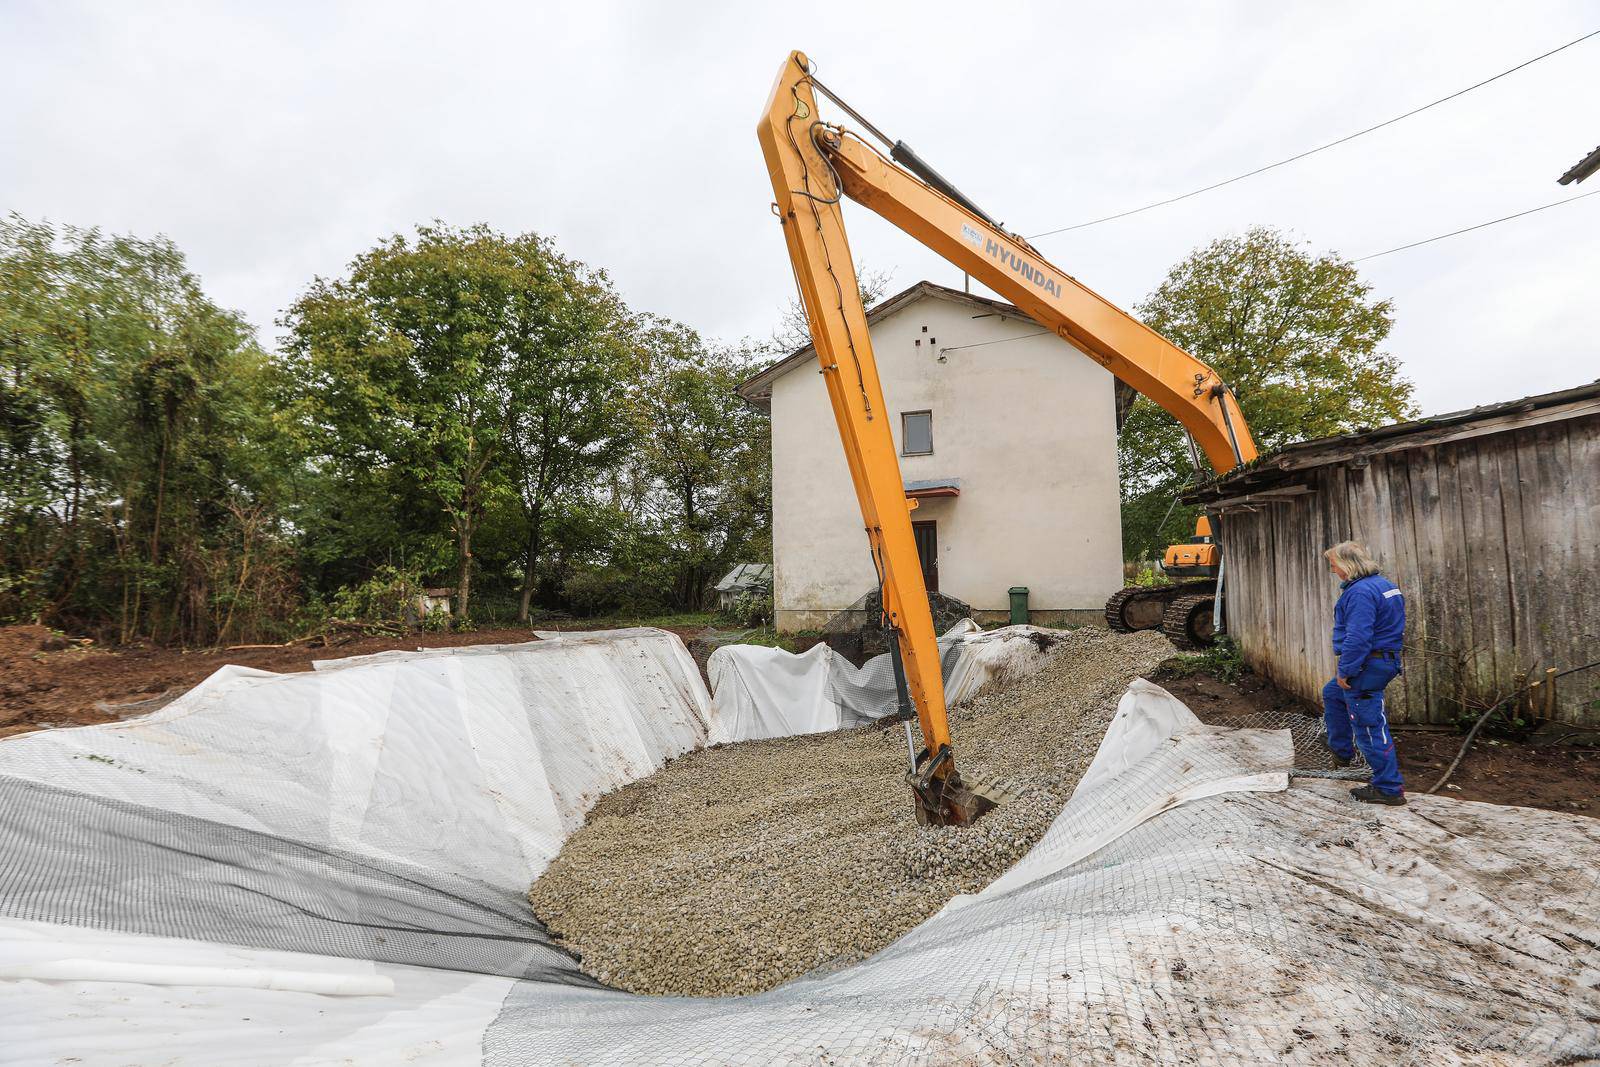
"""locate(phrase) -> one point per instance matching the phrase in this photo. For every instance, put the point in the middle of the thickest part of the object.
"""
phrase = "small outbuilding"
(744, 580)
(1487, 519)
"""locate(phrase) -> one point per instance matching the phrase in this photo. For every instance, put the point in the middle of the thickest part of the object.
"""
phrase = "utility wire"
(1358, 259)
(1479, 226)
(1021, 337)
(1319, 148)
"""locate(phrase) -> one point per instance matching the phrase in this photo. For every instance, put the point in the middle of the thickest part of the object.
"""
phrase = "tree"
(1297, 336)
(570, 405)
(127, 396)
(412, 367)
(705, 462)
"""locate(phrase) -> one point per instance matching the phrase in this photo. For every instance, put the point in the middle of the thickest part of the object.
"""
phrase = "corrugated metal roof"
(745, 576)
(1582, 400)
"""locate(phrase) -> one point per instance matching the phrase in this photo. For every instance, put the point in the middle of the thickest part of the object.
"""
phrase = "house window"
(916, 433)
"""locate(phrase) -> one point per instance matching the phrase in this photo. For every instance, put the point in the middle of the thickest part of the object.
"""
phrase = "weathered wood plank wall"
(1495, 540)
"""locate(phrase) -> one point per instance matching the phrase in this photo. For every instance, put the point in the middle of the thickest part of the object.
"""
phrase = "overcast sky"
(275, 141)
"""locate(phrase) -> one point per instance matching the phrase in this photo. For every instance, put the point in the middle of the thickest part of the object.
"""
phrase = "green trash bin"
(1019, 604)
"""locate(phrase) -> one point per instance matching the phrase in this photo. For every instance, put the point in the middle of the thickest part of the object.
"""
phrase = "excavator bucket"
(952, 802)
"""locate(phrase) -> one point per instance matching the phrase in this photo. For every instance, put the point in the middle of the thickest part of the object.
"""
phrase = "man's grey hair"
(1352, 558)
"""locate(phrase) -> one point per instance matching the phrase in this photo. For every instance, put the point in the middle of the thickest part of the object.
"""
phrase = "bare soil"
(47, 680)
(1554, 777)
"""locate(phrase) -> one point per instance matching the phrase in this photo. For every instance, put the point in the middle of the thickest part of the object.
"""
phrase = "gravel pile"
(735, 869)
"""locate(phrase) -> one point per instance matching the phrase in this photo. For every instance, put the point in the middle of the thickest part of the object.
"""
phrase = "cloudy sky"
(274, 141)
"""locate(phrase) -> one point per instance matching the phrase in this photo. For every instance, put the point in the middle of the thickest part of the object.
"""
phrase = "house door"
(927, 538)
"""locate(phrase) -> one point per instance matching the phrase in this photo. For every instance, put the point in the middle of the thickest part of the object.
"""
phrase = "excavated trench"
(737, 868)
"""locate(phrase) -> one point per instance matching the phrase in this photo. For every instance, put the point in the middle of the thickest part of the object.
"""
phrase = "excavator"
(815, 165)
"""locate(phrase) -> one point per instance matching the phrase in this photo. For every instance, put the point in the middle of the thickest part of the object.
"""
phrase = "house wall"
(1495, 541)
(1028, 427)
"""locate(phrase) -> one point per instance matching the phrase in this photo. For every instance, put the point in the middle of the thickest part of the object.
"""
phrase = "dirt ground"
(49, 681)
(1555, 777)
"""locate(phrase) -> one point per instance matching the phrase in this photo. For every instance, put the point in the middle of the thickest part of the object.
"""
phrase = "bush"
(751, 608)
(608, 591)
(1144, 573)
(389, 599)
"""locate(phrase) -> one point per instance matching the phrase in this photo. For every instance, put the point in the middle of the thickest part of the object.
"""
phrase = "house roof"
(1279, 467)
(757, 389)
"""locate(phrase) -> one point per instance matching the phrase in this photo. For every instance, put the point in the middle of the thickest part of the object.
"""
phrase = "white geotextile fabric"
(769, 692)
(1183, 907)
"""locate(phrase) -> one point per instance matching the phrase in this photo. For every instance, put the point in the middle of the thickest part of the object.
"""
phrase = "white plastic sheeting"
(1183, 908)
(768, 692)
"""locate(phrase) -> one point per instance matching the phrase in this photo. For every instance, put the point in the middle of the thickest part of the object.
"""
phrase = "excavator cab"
(1199, 557)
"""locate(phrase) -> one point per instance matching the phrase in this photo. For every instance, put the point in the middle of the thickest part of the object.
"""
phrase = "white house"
(1007, 435)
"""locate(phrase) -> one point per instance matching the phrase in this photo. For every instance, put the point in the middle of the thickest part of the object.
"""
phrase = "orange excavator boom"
(814, 166)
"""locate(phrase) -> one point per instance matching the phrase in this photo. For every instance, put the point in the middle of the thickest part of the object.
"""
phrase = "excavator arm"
(814, 166)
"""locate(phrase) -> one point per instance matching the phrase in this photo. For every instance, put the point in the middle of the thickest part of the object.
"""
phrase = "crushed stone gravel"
(735, 869)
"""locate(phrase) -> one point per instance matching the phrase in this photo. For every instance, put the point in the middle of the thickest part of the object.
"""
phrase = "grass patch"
(1222, 661)
(771, 638)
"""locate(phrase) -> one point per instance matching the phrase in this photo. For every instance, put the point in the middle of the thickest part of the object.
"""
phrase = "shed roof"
(1279, 467)
(745, 576)
(757, 389)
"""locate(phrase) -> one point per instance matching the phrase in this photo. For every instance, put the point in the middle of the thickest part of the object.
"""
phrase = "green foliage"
(1222, 661)
(1297, 336)
(133, 500)
(1148, 577)
(703, 485)
(459, 407)
(571, 413)
(751, 608)
(389, 598)
(405, 372)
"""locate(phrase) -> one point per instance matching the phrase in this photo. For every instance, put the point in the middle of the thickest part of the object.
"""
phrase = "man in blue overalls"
(1368, 623)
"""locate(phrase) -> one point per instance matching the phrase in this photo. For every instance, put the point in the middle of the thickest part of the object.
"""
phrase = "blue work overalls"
(1368, 623)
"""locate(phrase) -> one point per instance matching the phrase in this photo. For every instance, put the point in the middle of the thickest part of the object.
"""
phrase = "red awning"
(933, 487)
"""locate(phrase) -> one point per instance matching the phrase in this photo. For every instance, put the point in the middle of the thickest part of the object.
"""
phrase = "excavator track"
(1188, 623)
(1144, 607)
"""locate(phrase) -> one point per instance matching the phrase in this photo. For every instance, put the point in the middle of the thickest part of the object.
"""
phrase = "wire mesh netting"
(1184, 907)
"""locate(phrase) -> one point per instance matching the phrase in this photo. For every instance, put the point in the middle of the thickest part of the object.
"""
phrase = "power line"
(1479, 226)
(1319, 148)
(1358, 259)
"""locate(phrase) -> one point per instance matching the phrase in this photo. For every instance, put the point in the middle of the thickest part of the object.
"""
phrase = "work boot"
(1338, 760)
(1372, 795)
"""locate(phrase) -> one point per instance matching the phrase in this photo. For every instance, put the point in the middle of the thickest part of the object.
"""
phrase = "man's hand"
(1344, 683)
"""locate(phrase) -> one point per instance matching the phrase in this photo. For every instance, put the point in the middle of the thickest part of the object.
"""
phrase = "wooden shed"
(1488, 519)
